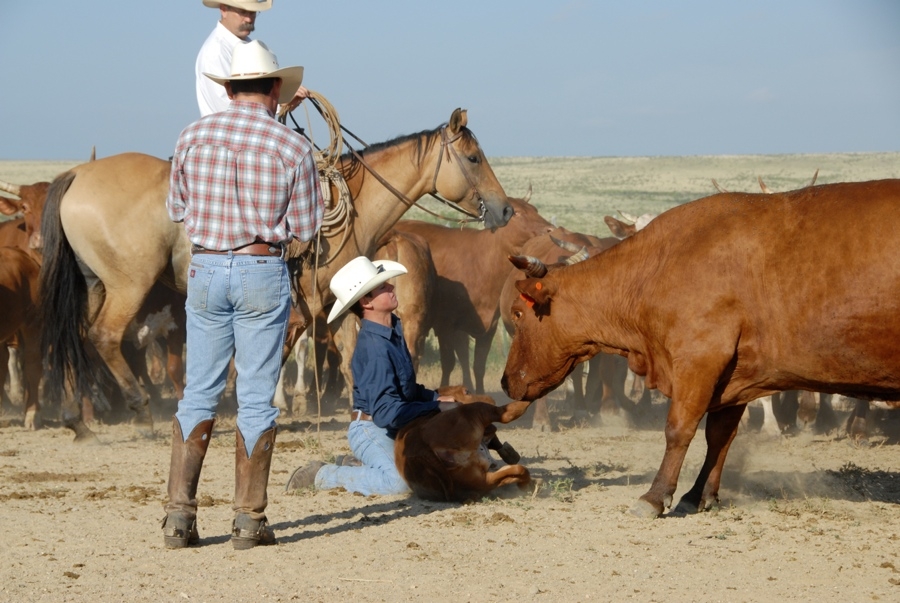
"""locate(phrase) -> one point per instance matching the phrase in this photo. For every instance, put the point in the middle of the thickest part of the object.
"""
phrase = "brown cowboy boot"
(180, 523)
(251, 477)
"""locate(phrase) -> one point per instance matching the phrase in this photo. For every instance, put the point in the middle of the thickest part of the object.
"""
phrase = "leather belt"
(358, 414)
(270, 249)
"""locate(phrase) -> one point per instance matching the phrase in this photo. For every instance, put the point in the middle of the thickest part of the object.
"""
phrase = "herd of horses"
(109, 256)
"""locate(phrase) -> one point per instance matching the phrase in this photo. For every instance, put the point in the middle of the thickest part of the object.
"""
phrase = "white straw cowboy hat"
(256, 6)
(254, 61)
(358, 277)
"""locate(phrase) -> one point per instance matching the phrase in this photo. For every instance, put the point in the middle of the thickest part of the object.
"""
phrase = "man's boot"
(180, 524)
(251, 477)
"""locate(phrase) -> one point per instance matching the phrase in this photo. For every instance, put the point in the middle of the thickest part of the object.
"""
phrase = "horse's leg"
(5, 371)
(459, 342)
(13, 365)
(482, 349)
(345, 338)
(448, 356)
(856, 422)
(106, 332)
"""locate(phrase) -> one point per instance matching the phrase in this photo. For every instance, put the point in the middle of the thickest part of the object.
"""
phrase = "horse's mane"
(424, 141)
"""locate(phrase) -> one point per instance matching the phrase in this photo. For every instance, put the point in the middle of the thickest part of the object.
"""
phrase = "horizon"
(565, 79)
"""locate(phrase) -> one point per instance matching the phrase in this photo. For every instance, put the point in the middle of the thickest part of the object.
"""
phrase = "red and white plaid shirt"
(239, 176)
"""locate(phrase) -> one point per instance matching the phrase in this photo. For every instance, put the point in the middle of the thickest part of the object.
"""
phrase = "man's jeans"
(236, 304)
(378, 475)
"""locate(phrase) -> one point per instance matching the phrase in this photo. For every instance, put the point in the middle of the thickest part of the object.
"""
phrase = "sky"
(577, 78)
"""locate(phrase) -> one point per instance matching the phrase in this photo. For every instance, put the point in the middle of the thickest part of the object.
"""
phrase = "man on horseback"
(247, 190)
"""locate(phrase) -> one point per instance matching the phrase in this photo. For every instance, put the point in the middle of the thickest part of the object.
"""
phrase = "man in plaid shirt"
(247, 189)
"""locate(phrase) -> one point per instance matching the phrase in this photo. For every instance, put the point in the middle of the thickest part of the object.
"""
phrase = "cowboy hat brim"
(291, 78)
(256, 6)
(391, 269)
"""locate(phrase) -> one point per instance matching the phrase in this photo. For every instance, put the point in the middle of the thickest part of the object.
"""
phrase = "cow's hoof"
(645, 509)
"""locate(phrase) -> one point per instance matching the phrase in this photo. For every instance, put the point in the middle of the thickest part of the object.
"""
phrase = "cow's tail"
(64, 308)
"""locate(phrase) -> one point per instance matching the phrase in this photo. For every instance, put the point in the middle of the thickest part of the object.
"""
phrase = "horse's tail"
(64, 304)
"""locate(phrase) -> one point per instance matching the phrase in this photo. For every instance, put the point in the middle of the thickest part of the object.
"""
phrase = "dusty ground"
(802, 519)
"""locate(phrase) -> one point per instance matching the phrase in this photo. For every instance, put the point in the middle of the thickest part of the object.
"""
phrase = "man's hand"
(295, 249)
(445, 405)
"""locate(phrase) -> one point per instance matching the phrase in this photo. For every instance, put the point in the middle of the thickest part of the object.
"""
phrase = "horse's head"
(464, 175)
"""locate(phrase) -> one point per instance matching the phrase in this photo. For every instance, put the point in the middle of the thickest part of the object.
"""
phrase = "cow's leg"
(5, 371)
(721, 427)
(807, 411)
(856, 423)
(13, 364)
(581, 389)
(32, 371)
(770, 423)
(691, 394)
(541, 420)
(826, 419)
(106, 333)
(175, 362)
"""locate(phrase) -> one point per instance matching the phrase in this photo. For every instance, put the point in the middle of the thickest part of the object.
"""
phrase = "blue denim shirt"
(384, 380)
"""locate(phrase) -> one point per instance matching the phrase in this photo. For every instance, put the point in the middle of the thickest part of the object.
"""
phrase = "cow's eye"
(517, 314)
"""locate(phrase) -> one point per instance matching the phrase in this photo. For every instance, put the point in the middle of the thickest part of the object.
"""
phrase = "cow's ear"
(537, 294)
(9, 206)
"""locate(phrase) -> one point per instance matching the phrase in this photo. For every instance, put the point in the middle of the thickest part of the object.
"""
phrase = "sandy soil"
(807, 518)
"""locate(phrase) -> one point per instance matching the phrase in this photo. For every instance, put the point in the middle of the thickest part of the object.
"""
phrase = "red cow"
(471, 266)
(442, 456)
(698, 303)
(19, 281)
(604, 370)
(25, 232)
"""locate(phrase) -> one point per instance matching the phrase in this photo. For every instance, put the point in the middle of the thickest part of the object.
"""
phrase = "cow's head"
(544, 348)
(30, 204)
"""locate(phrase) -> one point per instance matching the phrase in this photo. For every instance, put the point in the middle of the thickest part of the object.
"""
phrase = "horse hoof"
(509, 454)
(645, 510)
(33, 421)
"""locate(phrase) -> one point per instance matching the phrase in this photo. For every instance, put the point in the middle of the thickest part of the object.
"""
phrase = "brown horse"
(108, 239)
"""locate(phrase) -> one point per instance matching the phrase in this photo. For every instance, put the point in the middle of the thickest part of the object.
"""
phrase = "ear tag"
(527, 300)
(538, 285)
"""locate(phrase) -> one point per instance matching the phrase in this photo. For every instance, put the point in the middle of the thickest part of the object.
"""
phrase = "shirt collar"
(249, 107)
(382, 330)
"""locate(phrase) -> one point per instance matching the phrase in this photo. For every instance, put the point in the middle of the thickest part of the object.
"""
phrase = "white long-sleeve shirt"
(215, 57)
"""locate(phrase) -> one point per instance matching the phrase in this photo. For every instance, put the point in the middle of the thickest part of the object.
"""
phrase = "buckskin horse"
(108, 239)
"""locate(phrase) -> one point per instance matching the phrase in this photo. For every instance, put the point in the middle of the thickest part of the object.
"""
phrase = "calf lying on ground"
(442, 456)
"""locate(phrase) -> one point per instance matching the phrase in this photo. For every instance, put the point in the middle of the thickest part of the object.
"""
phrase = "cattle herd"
(716, 303)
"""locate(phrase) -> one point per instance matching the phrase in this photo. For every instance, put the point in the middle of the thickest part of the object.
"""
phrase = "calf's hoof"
(509, 454)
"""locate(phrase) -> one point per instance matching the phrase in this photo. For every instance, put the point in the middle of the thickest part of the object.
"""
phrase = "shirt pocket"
(263, 286)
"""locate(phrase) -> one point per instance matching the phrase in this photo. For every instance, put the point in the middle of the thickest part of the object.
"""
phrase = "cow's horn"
(762, 186)
(628, 217)
(813, 181)
(15, 189)
(578, 257)
(530, 265)
(718, 187)
(565, 245)
(527, 197)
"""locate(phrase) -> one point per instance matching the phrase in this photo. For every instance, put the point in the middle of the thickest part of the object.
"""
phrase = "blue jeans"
(236, 305)
(378, 475)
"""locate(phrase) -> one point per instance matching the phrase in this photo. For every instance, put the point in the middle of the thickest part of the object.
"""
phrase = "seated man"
(385, 393)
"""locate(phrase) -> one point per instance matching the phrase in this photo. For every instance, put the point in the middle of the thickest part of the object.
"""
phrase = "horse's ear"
(458, 120)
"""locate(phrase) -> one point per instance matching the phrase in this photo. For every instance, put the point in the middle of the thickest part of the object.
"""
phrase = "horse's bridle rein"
(446, 143)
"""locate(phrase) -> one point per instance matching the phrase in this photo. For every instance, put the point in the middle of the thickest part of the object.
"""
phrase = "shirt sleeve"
(306, 206)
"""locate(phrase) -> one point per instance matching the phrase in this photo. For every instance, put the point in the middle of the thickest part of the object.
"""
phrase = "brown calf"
(441, 455)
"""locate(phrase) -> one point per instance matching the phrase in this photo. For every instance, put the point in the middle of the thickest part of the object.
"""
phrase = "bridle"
(446, 146)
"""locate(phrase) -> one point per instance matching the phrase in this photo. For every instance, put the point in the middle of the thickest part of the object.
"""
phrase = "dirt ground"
(805, 518)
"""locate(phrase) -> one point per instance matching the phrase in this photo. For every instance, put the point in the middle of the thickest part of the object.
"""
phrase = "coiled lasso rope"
(338, 215)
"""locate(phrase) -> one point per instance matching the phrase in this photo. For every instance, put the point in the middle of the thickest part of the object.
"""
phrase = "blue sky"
(579, 78)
